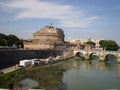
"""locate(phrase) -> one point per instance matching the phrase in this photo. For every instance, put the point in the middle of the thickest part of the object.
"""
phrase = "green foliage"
(109, 45)
(3, 41)
(49, 77)
(2, 36)
(7, 78)
(10, 40)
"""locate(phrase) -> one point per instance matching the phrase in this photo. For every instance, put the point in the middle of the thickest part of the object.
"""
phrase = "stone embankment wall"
(12, 57)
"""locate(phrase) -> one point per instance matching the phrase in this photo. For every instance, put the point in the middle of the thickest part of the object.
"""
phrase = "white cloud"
(72, 24)
(67, 15)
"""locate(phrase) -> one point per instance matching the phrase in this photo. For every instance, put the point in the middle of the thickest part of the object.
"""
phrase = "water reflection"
(91, 75)
(73, 74)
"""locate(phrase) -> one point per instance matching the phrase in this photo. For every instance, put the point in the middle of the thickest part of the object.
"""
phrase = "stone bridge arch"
(103, 55)
(84, 54)
(108, 55)
(79, 54)
(93, 53)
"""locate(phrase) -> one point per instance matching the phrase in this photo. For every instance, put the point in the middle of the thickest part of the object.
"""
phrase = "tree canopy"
(2, 36)
(3, 41)
(109, 45)
(12, 39)
(9, 40)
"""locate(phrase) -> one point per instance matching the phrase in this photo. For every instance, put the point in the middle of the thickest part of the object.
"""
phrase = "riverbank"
(12, 57)
(46, 74)
(71, 74)
(41, 63)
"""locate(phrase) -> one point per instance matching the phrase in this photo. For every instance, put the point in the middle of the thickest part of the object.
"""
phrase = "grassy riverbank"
(48, 76)
(6, 79)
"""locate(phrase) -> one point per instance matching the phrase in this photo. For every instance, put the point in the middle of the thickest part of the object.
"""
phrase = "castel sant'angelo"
(46, 38)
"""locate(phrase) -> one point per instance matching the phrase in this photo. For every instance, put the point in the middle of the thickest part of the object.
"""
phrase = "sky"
(77, 18)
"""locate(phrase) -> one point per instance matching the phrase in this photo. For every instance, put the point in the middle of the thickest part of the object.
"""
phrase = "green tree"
(3, 41)
(103, 43)
(20, 44)
(3, 36)
(12, 39)
(109, 45)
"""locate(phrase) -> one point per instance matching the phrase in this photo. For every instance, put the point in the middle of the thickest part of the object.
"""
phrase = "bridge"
(102, 54)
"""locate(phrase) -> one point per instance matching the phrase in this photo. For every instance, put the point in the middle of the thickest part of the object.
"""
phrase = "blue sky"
(78, 18)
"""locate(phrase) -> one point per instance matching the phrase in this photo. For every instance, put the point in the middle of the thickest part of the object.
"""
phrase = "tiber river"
(85, 75)
(90, 75)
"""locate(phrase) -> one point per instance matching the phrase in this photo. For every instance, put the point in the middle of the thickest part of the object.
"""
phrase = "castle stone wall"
(12, 57)
(46, 38)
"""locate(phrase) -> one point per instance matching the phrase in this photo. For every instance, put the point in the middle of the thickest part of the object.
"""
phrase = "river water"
(75, 74)
(91, 75)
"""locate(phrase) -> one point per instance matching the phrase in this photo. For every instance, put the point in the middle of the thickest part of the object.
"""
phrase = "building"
(83, 41)
(45, 38)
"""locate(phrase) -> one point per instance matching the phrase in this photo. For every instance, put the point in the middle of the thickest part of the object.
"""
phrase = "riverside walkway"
(10, 69)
